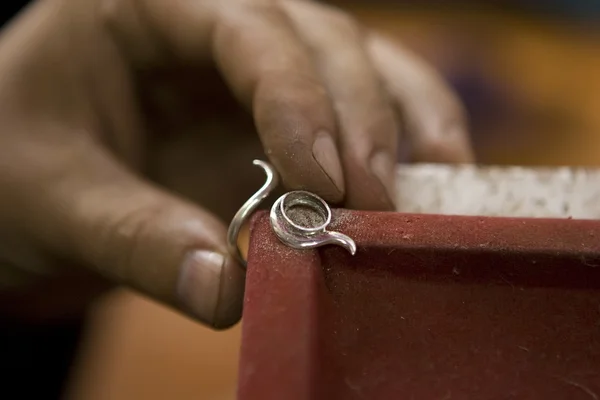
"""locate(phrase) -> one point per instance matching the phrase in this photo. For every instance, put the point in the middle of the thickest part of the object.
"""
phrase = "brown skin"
(120, 132)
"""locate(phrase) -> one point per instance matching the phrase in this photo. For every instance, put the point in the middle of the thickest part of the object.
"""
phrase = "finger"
(434, 117)
(265, 65)
(368, 129)
(271, 71)
(98, 215)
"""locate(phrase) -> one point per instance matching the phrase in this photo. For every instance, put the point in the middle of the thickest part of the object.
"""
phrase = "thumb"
(100, 215)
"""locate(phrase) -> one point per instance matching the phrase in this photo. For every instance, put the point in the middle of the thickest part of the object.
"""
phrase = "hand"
(117, 123)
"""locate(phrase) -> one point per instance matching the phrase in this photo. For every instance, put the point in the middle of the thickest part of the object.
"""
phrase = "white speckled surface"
(499, 191)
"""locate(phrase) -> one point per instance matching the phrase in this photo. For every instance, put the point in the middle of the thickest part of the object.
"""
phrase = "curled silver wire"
(248, 208)
(290, 232)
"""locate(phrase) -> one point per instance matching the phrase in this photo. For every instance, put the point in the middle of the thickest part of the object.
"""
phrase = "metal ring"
(306, 237)
(288, 231)
(248, 208)
(307, 199)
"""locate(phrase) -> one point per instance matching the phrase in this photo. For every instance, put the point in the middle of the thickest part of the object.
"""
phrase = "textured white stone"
(499, 191)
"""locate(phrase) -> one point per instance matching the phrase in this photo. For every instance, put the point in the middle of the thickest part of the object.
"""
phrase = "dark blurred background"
(528, 72)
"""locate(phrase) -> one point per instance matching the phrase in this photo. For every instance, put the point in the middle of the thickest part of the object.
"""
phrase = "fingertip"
(297, 126)
(449, 144)
(210, 288)
(231, 295)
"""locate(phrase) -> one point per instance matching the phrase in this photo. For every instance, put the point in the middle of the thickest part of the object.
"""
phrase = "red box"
(430, 307)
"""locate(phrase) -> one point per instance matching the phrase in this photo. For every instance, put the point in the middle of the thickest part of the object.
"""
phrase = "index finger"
(271, 71)
(265, 66)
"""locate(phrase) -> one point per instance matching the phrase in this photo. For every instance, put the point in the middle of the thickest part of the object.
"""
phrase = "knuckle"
(296, 92)
(295, 111)
(121, 238)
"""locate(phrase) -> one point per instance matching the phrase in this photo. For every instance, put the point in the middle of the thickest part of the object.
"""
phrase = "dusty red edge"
(285, 287)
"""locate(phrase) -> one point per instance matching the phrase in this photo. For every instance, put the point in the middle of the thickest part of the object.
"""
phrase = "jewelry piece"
(299, 218)
(314, 233)
(248, 208)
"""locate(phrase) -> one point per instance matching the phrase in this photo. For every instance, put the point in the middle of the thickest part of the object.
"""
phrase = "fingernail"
(326, 155)
(200, 283)
(382, 166)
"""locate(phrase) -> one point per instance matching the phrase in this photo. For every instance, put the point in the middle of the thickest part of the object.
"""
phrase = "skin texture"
(129, 126)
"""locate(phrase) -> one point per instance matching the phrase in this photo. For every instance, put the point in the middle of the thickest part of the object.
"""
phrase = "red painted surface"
(431, 307)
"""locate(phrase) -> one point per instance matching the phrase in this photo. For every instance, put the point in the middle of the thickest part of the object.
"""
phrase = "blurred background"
(529, 74)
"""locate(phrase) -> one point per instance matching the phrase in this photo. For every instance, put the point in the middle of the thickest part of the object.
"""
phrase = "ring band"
(290, 232)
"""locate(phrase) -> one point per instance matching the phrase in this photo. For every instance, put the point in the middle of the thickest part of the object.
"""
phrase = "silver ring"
(313, 233)
(248, 208)
(306, 199)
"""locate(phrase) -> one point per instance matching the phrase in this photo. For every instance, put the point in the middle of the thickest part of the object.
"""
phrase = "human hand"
(116, 126)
